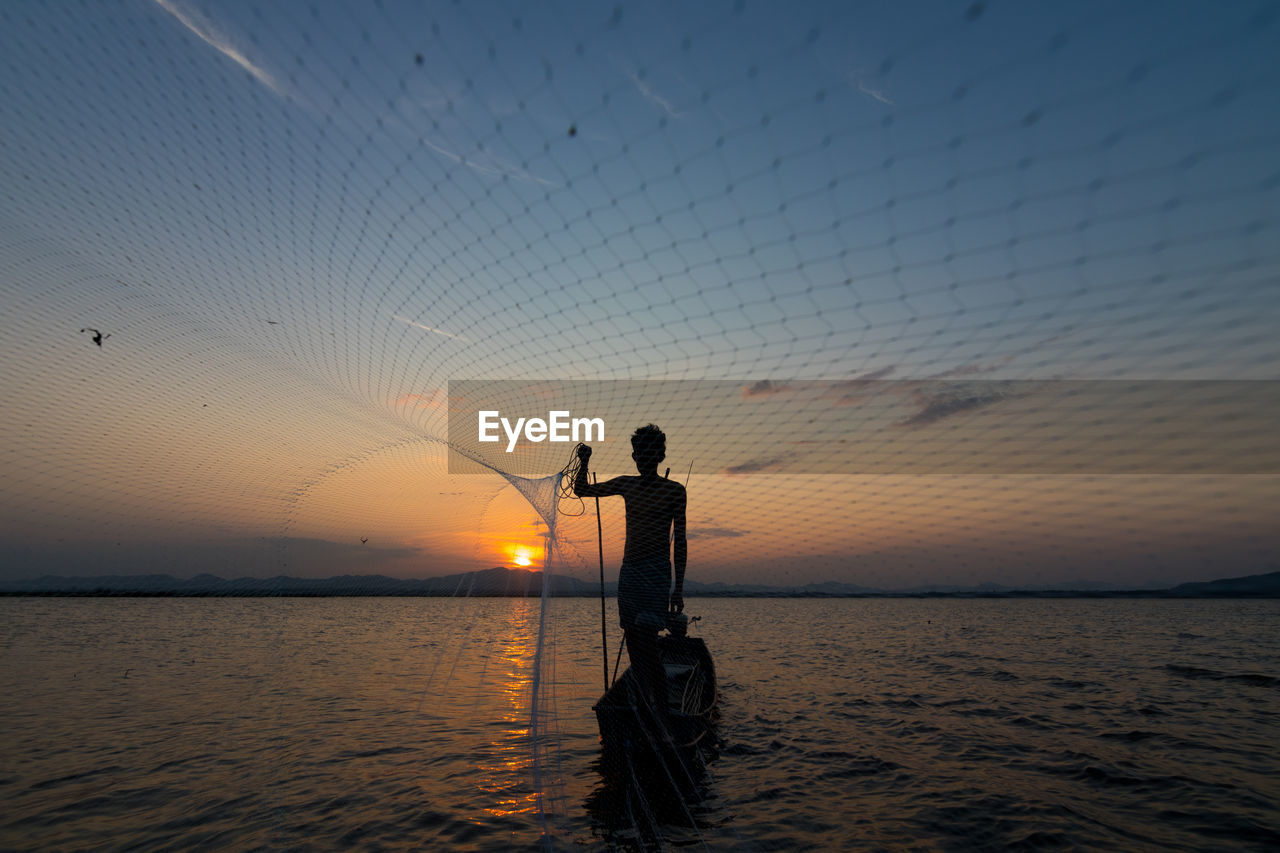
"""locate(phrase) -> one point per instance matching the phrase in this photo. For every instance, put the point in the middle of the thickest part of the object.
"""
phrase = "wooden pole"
(604, 639)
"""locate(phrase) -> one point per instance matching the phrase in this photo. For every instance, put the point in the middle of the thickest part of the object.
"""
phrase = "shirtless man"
(655, 510)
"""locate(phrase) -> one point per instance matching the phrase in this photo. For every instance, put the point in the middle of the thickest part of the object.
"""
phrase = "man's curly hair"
(649, 441)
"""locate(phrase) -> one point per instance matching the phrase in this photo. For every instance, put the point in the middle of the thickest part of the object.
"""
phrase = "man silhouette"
(655, 511)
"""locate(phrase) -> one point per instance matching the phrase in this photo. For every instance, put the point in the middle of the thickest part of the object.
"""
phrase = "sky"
(296, 224)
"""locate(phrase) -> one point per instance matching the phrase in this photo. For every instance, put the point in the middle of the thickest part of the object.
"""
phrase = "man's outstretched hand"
(584, 452)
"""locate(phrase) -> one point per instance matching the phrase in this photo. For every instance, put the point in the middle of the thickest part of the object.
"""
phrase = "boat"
(691, 694)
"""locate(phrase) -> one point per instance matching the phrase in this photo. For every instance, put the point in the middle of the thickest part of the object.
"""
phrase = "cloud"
(764, 388)
(754, 466)
(207, 32)
(974, 368)
(444, 109)
(653, 97)
(962, 370)
(938, 405)
(251, 556)
(847, 392)
(875, 93)
(431, 329)
(489, 165)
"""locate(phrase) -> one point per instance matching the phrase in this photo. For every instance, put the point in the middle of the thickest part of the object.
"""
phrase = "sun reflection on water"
(505, 769)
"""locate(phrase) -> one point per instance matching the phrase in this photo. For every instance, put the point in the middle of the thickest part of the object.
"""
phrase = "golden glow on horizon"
(420, 521)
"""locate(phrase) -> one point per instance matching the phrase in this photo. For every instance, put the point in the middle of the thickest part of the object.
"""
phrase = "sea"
(466, 724)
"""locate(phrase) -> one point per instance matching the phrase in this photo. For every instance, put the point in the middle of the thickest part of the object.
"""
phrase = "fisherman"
(655, 510)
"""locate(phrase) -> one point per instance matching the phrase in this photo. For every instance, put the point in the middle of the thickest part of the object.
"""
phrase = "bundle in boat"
(691, 700)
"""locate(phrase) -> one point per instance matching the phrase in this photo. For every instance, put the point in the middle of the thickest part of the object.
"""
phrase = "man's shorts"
(644, 593)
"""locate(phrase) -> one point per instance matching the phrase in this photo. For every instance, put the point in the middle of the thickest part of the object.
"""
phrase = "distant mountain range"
(522, 582)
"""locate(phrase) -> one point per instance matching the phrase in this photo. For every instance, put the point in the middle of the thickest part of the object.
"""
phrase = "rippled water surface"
(845, 724)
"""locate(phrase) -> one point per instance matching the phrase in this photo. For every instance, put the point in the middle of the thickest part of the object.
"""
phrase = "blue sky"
(310, 217)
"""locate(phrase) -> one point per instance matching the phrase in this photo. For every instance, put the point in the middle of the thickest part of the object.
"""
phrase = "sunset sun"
(521, 556)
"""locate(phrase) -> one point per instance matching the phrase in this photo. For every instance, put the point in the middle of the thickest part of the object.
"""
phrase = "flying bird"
(98, 337)
(364, 539)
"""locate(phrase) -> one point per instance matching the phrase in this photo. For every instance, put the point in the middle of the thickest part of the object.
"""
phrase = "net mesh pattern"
(293, 226)
(244, 248)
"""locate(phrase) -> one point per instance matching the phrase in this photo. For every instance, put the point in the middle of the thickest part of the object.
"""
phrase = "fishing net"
(253, 252)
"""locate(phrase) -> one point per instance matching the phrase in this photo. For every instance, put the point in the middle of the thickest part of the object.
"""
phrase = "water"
(846, 724)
